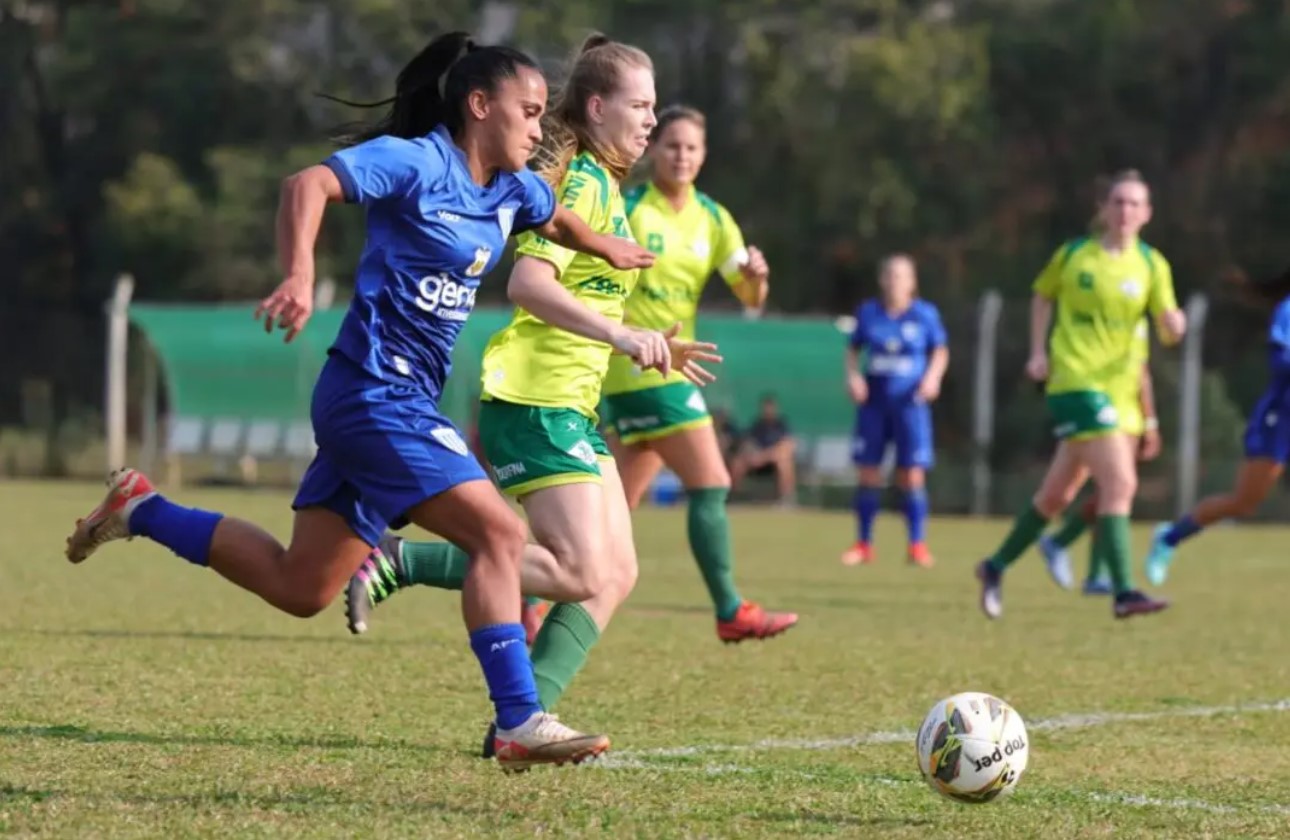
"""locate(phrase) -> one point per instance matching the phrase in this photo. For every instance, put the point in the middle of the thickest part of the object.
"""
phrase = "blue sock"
(504, 657)
(1183, 529)
(916, 514)
(867, 502)
(186, 531)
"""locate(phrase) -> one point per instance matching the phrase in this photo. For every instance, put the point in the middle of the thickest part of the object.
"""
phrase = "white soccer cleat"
(127, 489)
(543, 739)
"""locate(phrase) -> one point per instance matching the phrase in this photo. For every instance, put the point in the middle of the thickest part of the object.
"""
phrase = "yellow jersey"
(1102, 299)
(691, 244)
(530, 362)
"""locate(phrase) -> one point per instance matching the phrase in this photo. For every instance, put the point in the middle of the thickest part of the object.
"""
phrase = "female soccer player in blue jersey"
(444, 184)
(1267, 445)
(905, 344)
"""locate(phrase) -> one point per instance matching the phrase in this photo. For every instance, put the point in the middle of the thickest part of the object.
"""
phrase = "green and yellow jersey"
(1128, 403)
(692, 244)
(529, 362)
(1099, 341)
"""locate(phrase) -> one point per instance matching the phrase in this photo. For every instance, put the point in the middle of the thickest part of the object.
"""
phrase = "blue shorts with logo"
(1267, 433)
(383, 448)
(907, 424)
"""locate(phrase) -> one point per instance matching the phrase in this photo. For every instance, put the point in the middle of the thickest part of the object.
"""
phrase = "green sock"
(1073, 527)
(1113, 532)
(438, 564)
(560, 650)
(1097, 569)
(1025, 530)
(709, 531)
(531, 600)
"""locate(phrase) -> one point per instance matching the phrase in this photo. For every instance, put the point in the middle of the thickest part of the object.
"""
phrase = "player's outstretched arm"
(567, 229)
(301, 202)
(534, 287)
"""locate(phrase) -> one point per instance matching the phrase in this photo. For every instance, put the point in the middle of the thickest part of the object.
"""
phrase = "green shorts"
(1081, 415)
(655, 412)
(530, 447)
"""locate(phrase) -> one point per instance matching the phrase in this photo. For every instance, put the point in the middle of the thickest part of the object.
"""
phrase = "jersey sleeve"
(1049, 281)
(539, 202)
(936, 336)
(1161, 299)
(859, 338)
(579, 194)
(729, 253)
(1279, 331)
(384, 168)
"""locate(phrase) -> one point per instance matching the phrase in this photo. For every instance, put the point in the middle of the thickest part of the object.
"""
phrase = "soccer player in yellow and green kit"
(654, 419)
(1102, 287)
(1137, 412)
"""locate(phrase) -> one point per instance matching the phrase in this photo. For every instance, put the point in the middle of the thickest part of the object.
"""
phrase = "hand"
(1172, 326)
(290, 305)
(1037, 366)
(647, 348)
(623, 254)
(756, 272)
(686, 356)
(929, 389)
(1150, 446)
(859, 389)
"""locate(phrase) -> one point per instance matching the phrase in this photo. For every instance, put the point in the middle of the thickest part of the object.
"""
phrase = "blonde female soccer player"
(1102, 287)
(655, 419)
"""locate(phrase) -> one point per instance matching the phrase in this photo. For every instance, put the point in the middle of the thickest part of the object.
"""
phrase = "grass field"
(144, 697)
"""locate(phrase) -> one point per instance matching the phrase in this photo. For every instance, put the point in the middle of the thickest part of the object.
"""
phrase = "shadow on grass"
(298, 801)
(83, 735)
(840, 819)
(203, 636)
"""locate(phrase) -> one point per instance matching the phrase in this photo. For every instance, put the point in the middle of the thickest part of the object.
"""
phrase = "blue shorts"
(907, 424)
(1267, 433)
(382, 450)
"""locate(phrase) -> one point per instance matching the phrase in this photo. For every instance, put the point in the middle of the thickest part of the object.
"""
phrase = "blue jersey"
(1279, 352)
(898, 346)
(432, 233)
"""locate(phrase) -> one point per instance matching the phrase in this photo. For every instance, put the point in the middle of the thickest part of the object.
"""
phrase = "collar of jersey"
(441, 131)
(658, 199)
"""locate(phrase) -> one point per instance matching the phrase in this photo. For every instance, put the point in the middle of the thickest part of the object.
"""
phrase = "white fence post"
(989, 309)
(1189, 403)
(118, 338)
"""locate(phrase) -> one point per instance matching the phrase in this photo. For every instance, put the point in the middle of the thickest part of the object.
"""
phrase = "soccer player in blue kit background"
(904, 344)
(1267, 444)
(444, 184)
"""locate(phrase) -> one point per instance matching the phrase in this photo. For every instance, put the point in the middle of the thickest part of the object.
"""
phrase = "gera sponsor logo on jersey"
(443, 297)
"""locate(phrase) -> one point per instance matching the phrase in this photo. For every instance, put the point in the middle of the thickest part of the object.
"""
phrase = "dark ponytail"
(432, 89)
(1269, 291)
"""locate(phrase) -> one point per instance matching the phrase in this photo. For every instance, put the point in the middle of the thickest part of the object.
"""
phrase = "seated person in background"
(768, 445)
(727, 435)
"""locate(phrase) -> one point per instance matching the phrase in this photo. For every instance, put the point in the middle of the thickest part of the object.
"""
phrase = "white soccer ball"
(972, 747)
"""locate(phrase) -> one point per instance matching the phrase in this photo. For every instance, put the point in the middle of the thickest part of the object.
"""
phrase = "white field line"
(648, 759)
(1075, 721)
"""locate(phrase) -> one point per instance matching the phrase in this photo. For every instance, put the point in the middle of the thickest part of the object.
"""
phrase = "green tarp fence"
(215, 362)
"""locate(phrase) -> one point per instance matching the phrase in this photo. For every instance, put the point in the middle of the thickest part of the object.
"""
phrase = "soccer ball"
(972, 747)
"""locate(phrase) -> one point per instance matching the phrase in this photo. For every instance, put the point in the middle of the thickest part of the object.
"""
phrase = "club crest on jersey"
(701, 248)
(506, 221)
(910, 331)
(450, 440)
(482, 256)
(1131, 287)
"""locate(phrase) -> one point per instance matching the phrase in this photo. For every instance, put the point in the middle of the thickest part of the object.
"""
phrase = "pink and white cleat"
(127, 489)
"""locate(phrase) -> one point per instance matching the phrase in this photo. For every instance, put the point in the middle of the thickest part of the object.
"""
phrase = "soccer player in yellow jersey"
(1103, 287)
(1137, 412)
(542, 380)
(653, 419)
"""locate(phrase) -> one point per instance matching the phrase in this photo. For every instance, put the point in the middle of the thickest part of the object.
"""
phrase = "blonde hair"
(1105, 185)
(597, 71)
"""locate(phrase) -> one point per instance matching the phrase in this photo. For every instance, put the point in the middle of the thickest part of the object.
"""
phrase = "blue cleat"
(1160, 556)
(1098, 586)
(1058, 561)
